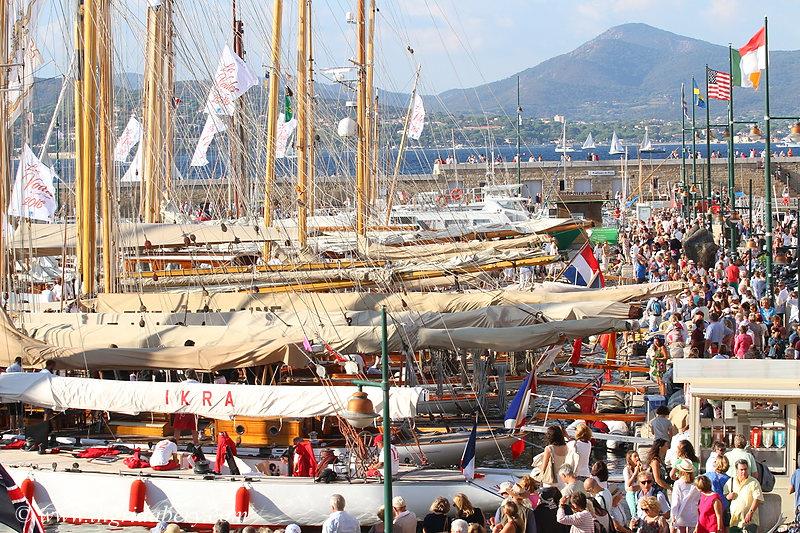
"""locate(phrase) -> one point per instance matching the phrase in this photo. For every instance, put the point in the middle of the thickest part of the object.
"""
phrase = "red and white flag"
(231, 80)
(719, 84)
(417, 122)
(33, 196)
(131, 135)
(214, 124)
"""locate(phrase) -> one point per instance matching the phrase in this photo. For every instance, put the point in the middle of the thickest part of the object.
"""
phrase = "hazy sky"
(458, 43)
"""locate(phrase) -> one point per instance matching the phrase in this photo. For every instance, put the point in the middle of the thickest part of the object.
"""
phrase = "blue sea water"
(415, 160)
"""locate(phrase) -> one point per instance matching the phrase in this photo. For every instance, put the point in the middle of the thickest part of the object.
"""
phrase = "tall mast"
(86, 201)
(154, 134)
(236, 178)
(369, 71)
(5, 154)
(301, 139)
(104, 51)
(168, 97)
(361, 119)
(403, 137)
(272, 119)
(311, 147)
(519, 124)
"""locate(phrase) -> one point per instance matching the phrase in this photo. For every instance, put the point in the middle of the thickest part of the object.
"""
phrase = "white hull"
(87, 497)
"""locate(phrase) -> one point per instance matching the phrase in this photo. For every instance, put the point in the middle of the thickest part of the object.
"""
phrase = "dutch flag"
(584, 269)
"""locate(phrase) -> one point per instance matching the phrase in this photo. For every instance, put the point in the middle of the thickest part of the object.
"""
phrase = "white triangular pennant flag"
(285, 130)
(134, 172)
(417, 122)
(131, 135)
(213, 125)
(33, 195)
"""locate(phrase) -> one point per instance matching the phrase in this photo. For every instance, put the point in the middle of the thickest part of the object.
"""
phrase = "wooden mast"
(154, 134)
(369, 71)
(301, 140)
(168, 96)
(5, 153)
(361, 117)
(86, 198)
(400, 150)
(312, 186)
(236, 178)
(272, 119)
(104, 52)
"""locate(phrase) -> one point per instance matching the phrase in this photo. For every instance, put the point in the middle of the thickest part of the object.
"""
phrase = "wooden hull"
(103, 497)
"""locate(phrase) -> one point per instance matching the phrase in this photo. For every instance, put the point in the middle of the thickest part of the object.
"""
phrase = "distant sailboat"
(647, 145)
(616, 145)
(588, 144)
(563, 148)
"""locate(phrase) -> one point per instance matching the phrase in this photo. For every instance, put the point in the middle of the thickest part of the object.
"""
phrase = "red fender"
(136, 500)
(28, 487)
(242, 502)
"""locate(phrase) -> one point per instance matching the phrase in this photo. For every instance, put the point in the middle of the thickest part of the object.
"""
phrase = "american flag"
(719, 84)
(15, 511)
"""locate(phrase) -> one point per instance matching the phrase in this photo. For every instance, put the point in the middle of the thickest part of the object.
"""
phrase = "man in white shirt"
(377, 468)
(46, 296)
(49, 367)
(340, 521)
(165, 455)
(404, 520)
(15, 367)
(16, 410)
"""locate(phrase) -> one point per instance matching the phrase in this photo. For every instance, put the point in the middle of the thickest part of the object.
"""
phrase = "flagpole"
(767, 170)
(708, 154)
(694, 140)
(683, 152)
(731, 160)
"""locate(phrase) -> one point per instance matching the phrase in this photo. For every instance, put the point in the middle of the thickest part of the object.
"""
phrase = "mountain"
(630, 72)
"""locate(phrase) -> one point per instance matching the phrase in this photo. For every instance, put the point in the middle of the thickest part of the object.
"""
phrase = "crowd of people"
(726, 309)
(567, 492)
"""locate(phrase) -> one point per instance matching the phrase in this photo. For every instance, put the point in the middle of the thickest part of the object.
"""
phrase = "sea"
(416, 160)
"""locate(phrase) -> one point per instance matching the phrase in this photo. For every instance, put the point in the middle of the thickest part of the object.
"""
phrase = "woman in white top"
(582, 447)
(630, 474)
(555, 451)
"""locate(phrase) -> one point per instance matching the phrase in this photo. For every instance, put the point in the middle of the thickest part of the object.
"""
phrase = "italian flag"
(749, 60)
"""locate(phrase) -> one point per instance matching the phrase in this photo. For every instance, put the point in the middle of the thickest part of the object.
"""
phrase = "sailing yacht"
(562, 148)
(647, 145)
(588, 144)
(617, 147)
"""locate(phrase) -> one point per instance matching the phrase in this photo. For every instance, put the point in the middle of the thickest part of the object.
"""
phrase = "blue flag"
(698, 98)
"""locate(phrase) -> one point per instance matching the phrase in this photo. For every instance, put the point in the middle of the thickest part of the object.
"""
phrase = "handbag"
(549, 476)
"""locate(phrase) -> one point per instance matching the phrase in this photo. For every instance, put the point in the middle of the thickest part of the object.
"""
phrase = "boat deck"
(67, 461)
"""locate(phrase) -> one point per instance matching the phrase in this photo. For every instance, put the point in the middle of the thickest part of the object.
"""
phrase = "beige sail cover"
(228, 353)
(51, 239)
(238, 349)
(361, 301)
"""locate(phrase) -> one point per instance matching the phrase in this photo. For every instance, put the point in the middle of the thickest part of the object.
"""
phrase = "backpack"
(765, 476)
(601, 512)
(656, 308)
(599, 528)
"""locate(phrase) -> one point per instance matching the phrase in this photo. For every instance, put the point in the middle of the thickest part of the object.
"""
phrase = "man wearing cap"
(404, 520)
(376, 469)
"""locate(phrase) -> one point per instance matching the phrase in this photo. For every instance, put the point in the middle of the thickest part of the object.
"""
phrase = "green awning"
(609, 235)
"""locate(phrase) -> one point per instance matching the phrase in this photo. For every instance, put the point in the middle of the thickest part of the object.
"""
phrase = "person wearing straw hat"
(685, 497)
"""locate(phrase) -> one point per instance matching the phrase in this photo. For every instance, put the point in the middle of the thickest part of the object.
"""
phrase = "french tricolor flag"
(584, 269)
(468, 457)
(517, 409)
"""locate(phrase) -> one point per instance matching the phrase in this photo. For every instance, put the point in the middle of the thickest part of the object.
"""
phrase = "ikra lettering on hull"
(191, 398)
